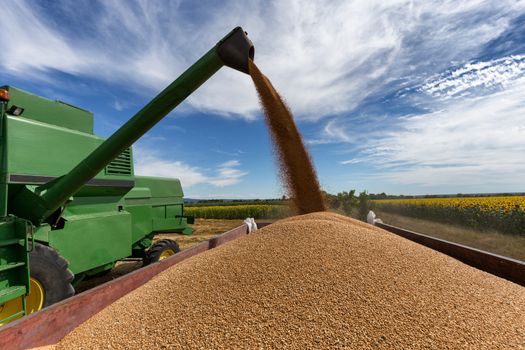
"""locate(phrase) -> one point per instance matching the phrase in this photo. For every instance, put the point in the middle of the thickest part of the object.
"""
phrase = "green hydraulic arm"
(234, 51)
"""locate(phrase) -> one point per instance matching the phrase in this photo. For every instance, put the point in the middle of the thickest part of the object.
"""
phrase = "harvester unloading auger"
(57, 229)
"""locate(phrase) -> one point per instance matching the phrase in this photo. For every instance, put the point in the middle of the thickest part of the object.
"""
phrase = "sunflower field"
(256, 211)
(503, 214)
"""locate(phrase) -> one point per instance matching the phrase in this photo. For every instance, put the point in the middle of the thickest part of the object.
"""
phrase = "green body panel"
(84, 204)
(161, 187)
(51, 112)
(157, 205)
(41, 234)
(37, 148)
(91, 240)
(142, 221)
(3, 162)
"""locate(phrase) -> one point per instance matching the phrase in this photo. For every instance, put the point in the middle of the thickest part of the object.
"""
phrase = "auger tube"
(233, 50)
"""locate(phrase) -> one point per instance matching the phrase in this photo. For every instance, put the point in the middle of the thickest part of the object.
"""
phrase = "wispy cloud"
(475, 76)
(148, 162)
(350, 132)
(234, 153)
(324, 56)
(176, 128)
(351, 161)
(332, 133)
(228, 174)
(471, 144)
(118, 106)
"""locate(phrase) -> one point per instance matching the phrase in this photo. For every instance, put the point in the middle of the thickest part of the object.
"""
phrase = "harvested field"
(512, 246)
(314, 281)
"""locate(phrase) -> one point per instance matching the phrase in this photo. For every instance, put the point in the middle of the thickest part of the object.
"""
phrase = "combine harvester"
(56, 229)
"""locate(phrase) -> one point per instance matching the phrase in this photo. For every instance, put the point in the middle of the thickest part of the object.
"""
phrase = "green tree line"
(349, 203)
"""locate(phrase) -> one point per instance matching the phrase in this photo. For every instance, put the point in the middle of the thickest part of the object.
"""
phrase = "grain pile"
(314, 281)
(295, 166)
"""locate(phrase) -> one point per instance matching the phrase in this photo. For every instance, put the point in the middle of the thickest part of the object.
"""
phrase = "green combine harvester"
(70, 205)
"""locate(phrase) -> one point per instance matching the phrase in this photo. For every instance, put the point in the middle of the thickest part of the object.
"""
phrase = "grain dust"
(314, 281)
(296, 169)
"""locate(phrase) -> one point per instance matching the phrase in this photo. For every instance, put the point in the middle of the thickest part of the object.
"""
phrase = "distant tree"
(330, 200)
(347, 201)
(381, 195)
(364, 205)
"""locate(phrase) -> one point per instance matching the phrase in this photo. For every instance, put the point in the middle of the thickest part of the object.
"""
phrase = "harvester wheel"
(161, 250)
(49, 271)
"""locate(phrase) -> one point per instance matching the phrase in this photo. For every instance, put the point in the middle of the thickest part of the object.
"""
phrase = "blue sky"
(403, 97)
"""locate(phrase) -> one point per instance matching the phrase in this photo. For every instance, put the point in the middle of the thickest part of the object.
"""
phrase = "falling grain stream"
(295, 166)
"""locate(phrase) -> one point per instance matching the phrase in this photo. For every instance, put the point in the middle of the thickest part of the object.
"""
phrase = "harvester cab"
(70, 203)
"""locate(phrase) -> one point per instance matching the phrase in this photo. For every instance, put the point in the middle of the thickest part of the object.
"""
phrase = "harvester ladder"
(14, 266)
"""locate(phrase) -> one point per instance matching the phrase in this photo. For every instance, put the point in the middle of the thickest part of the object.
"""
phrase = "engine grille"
(120, 165)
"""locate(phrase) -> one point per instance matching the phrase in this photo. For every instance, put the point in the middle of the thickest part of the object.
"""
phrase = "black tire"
(155, 251)
(51, 270)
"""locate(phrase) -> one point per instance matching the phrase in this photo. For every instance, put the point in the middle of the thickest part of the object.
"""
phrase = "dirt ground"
(203, 229)
(512, 246)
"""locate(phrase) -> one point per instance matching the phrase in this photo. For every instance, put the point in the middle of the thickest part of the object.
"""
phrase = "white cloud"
(332, 133)
(234, 153)
(228, 174)
(351, 130)
(325, 57)
(118, 106)
(477, 75)
(149, 163)
(351, 161)
(33, 45)
(154, 166)
(476, 144)
(230, 164)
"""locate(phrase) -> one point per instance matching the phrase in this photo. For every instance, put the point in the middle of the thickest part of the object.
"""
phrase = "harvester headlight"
(4, 95)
